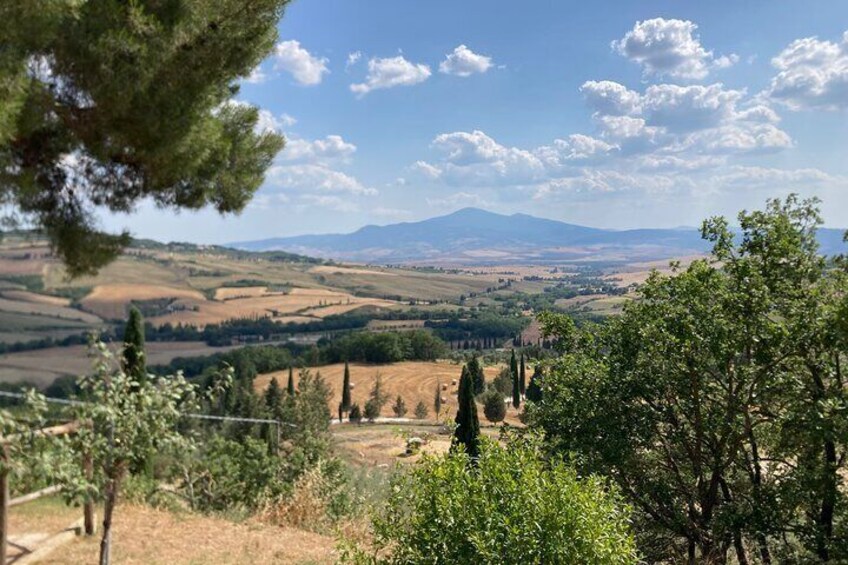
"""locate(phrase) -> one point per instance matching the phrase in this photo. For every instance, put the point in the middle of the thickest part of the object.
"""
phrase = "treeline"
(484, 325)
(361, 347)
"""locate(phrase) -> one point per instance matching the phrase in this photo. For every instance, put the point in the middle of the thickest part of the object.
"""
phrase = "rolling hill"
(471, 235)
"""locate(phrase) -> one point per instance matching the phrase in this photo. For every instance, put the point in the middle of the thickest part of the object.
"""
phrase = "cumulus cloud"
(306, 69)
(331, 148)
(256, 76)
(269, 122)
(610, 98)
(475, 158)
(812, 74)
(389, 73)
(463, 62)
(352, 59)
(670, 48)
(311, 177)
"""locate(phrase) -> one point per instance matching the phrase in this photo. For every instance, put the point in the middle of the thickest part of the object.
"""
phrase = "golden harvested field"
(143, 535)
(414, 380)
(230, 292)
(339, 270)
(111, 300)
(26, 296)
(42, 366)
(638, 273)
(315, 303)
(46, 310)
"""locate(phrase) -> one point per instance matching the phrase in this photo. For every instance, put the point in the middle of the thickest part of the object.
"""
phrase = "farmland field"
(414, 381)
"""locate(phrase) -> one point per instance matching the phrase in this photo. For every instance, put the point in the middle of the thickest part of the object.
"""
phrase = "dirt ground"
(145, 535)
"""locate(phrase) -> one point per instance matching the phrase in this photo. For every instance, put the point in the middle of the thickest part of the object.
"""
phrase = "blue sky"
(632, 113)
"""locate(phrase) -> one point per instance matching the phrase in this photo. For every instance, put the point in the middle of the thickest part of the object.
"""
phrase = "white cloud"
(389, 73)
(458, 199)
(306, 69)
(475, 158)
(331, 148)
(334, 203)
(813, 74)
(426, 169)
(391, 213)
(610, 98)
(352, 59)
(671, 48)
(311, 178)
(256, 76)
(463, 62)
(688, 108)
(269, 122)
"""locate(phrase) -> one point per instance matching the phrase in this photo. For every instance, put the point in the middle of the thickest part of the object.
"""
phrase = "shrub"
(399, 407)
(355, 414)
(421, 410)
(511, 507)
(494, 407)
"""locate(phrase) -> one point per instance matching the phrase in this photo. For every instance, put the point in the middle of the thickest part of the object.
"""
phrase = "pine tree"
(467, 423)
(534, 390)
(290, 387)
(420, 410)
(355, 414)
(399, 407)
(494, 407)
(478, 377)
(142, 94)
(437, 402)
(274, 399)
(516, 386)
(522, 376)
(345, 406)
(133, 362)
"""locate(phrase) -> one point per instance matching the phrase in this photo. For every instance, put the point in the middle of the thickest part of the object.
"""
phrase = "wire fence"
(69, 402)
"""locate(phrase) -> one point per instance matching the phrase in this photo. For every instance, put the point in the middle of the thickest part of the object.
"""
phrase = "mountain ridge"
(473, 235)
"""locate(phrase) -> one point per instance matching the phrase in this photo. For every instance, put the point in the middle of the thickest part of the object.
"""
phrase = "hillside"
(474, 236)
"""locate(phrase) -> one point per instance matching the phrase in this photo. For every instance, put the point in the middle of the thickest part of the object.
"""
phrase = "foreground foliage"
(717, 401)
(512, 506)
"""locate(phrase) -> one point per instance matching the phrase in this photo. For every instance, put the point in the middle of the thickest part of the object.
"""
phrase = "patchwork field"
(42, 366)
(413, 380)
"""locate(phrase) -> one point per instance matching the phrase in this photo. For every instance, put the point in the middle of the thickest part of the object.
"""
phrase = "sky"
(615, 114)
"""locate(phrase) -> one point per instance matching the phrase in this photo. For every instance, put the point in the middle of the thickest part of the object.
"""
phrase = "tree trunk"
(88, 504)
(108, 508)
(829, 487)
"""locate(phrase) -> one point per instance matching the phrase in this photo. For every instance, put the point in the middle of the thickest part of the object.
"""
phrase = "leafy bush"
(494, 407)
(511, 507)
(421, 410)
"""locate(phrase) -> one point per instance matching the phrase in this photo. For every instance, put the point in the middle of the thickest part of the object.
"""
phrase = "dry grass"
(34, 298)
(47, 310)
(111, 300)
(413, 380)
(337, 270)
(148, 536)
(299, 302)
(230, 292)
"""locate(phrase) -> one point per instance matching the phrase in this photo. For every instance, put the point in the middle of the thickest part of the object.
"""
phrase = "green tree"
(133, 358)
(478, 377)
(494, 407)
(106, 104)
(355, 414)
(503, 382)
(377, 398)
(420, 410)
(522, 376)
(446, 511)
(467, 423)
(345, 406)
(437, 401)
(399, 407)
(716, 400)
(125, 419)
(273, 398)
(290, 386)
(534, 389)
(516, 386)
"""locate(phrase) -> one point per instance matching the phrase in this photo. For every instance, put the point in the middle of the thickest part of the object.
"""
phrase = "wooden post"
(88, 505)
(4, 502)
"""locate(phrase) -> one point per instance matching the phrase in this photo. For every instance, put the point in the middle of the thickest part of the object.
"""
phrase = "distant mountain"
(476, 236)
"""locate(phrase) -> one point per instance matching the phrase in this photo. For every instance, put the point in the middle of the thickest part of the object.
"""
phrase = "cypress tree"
(290, 387)
(346, 389)
(437, 403)
(467, 423)
(274, 399)
(516, 386)
(522, 376)
(534, 390)
(132, 361)
(478, 377)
